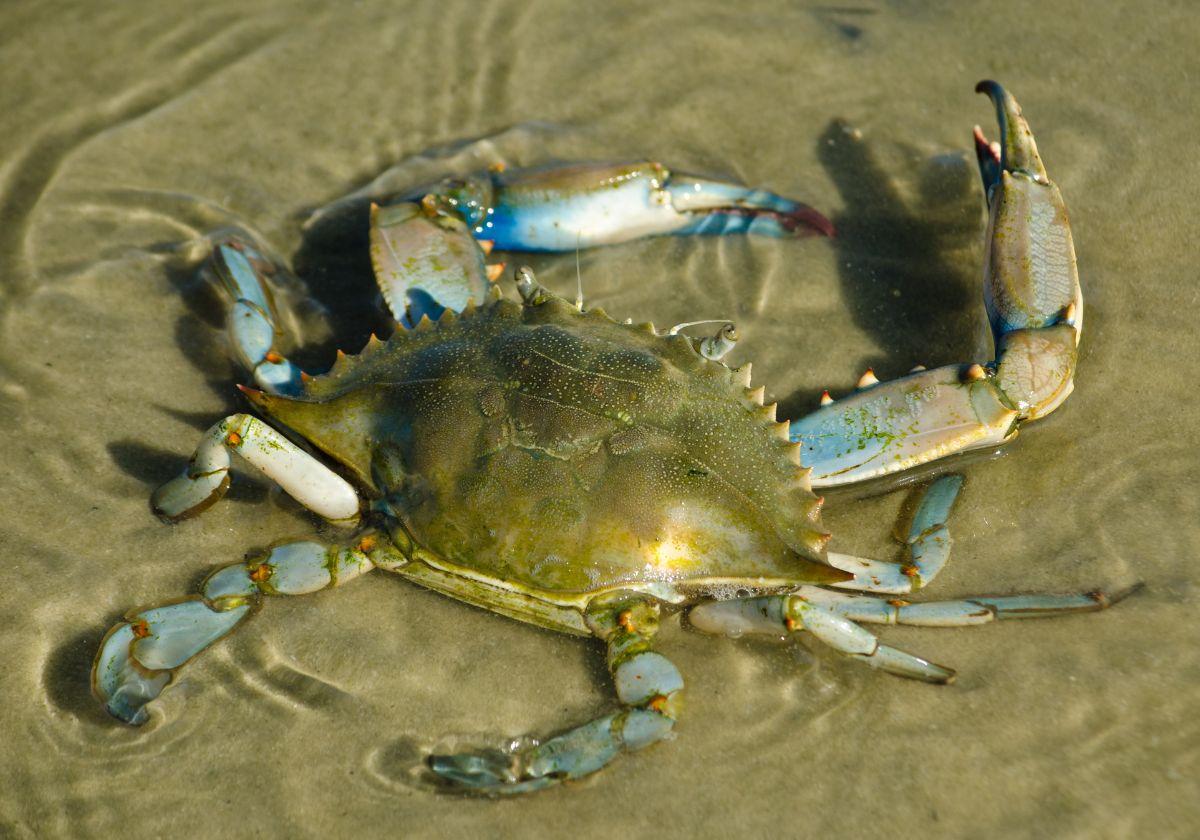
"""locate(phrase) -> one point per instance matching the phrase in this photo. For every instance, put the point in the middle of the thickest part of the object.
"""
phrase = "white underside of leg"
(302, 476)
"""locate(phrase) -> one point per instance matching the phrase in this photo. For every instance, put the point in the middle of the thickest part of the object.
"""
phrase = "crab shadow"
(154, 467)
(69, 666)
(908, 268)
(334, 262)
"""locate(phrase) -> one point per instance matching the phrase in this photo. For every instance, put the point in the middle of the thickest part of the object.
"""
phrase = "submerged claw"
(476, 771)
(721, 208)
(589, 204)
(139, 657)
(119, 683)
(574, 754)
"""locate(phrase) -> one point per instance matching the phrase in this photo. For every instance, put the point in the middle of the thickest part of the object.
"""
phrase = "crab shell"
(532, 457)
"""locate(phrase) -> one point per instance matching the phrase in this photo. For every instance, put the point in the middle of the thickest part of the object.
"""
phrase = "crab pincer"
(1034, 303)
(583, 205)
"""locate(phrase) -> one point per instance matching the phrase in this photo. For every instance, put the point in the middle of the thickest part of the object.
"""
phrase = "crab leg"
(140, 656)
(588, 204)
(301, 475)
(253, 318)
(928, 543)
(779, 614)
(647, 684)
(1033, 299)
(959, 613)
(831, 616)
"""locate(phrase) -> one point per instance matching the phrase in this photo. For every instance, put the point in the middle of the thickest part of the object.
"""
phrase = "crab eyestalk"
(530, 290)
(1034, 303)
(715, 347)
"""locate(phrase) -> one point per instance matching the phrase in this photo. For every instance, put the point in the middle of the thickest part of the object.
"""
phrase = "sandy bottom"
(129, 132)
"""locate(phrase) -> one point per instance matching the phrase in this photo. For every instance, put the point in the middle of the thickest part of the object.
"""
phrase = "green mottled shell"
(563, 453)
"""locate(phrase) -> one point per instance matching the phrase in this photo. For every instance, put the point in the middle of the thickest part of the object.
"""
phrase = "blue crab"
(548, 463)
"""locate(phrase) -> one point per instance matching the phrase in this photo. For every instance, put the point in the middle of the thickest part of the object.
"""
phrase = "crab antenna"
(578, 275)
(675, 329)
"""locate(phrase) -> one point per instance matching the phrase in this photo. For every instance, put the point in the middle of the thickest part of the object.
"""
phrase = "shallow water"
(131, 131)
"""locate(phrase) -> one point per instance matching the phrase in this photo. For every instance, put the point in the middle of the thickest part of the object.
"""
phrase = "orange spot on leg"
(233, 439)
(140, 629)
(261, 573)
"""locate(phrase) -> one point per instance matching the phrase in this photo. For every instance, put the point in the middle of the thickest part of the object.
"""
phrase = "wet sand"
(132, 131)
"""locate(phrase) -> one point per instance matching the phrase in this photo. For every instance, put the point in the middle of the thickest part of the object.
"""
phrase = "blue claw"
(571, 755)
(590, 204)
(122, 685)
(718, 208)
(423, 267)
(425, 261)
(138, 657)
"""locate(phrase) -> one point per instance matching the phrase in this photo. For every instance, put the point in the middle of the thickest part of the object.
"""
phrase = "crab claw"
(588, 204)
(139, 656)
(1031, 284)
(425, 261)
(1030, 275)
(1034, 303)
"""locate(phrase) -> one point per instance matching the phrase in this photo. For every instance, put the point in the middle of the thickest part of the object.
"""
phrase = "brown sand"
(131, 128)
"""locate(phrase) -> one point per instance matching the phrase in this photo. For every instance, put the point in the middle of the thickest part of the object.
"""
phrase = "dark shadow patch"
(334, 263)
(900, 267)
(404, 762)
(67, 677)
(849, 23)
